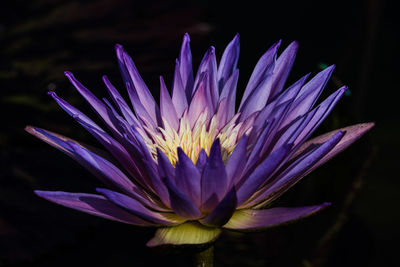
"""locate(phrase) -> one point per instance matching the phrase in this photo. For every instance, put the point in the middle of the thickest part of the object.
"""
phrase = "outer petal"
(142, 91)
(214, 179)
(181, 203)
(96, 104)
(229, 61)
(185, 66)
(249, 219)
(262, 173)
(237, 161)
(93, 204)
(189, 233)
(294, 172)
(188, 177)
(309, 94)
(282, 68)
(223, 211)
(136, 208)
(260, 71)
(353, 133)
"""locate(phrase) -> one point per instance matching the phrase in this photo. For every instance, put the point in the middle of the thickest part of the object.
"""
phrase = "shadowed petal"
(282, 68)
(185, 66)
(223, 211)
(214, 179)
(181, 204)
(189, 233)
(309, 94)
(167, 108)
(97, 105)
(237, 161)
(136, 208)
(179, 96)
(93, 204)
(201, 160)
(261, 70)
(353, 133)
(229, 61)
(229, 92)
(142, 91)
(188, 177)
(262, 173)
(121, 104)
(249, 219)
(294, 172)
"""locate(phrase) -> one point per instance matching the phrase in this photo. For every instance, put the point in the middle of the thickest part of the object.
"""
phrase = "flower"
(195, 164)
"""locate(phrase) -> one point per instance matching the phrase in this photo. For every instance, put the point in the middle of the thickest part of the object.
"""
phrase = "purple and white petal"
(250, 219)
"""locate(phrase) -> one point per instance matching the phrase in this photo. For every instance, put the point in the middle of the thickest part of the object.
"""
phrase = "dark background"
(40, 39)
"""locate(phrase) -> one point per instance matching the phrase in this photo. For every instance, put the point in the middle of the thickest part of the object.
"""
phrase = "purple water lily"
(196, 164)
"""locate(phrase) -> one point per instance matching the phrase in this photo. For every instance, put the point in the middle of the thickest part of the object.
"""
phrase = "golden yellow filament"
(193, 139)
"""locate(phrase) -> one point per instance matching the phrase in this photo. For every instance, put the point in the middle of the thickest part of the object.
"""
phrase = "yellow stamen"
(193, 139)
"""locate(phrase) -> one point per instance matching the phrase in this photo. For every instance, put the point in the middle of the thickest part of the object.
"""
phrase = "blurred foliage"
(41, 39)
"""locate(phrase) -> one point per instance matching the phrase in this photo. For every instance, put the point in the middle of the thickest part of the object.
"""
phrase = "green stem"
(205, 258)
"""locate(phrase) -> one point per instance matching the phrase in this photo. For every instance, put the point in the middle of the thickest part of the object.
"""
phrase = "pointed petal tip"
(68, 74)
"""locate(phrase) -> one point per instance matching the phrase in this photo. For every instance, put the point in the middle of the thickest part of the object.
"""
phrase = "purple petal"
(179, 97)
(262, 174)
(282, 68)
(167, 108)
(262, 69)
(120, 103)
(165, 168)
(136, 208)
(93, 204)
(309, 94)
(237, 161)
(213, 179)
(353, 133)
(181, 204)
(142, 91)
(229, 92)
(188, 177)
(199, 102)
(229, 61)
(250, 219)
(185, 66)
(256, 149)
(95, 103)
(103, 168)
(208, 66)
(294, 172)
(223, 211)
(139, 108)
(201, 160)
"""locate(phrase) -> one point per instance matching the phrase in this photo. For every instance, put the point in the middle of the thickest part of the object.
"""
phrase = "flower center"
(193, 139)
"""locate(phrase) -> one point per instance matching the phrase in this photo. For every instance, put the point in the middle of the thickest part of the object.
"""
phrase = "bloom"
(195, 164)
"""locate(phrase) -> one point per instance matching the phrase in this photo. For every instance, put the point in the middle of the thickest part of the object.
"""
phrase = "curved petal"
(229, 61)
(136, 208)
(185, 66)
(249, 219)
(181, 204)
(213, 179)
(223, 211)
(92, 204)
(189, 233)
(294, 172)
(188, 177)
